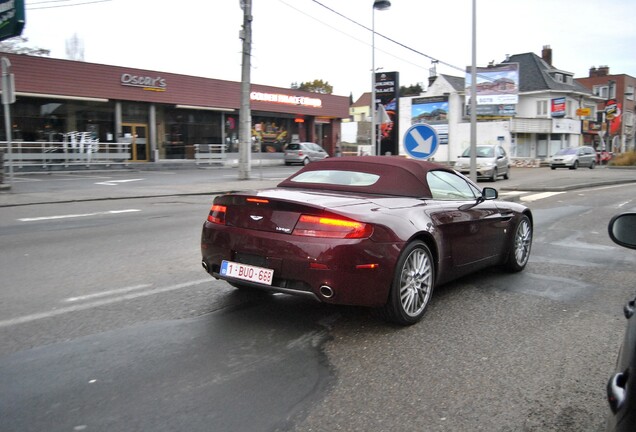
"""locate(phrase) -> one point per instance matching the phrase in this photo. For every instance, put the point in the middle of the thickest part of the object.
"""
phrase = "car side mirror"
(622, 230)
(489, 193)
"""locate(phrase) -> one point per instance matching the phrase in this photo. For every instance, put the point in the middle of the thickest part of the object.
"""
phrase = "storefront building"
(162, 115)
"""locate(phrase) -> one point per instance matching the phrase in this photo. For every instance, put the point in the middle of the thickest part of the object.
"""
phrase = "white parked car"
(303, 153)
(492, 162)
(573, 158)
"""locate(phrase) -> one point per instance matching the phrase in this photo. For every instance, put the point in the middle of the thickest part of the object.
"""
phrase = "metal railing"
(210, 153)
(45, 154)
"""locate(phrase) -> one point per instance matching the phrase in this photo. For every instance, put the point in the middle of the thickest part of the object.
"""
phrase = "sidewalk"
(41, 188)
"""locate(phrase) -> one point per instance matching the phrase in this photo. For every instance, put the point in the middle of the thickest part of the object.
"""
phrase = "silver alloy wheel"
(416, 282)
(523, 242)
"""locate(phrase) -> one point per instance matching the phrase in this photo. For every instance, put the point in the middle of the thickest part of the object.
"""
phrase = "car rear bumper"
(305, 266)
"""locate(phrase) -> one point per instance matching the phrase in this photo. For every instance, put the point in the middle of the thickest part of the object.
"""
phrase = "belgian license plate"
(247, 272)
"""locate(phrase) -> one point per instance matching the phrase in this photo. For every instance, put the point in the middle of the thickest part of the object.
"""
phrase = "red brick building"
(162, 114)
(617, 111)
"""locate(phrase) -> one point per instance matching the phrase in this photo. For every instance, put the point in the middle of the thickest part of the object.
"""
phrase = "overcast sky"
(303, 40)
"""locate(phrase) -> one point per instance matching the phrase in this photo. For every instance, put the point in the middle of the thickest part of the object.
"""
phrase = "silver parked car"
(492, 162)
(303, 153)
(573, 158)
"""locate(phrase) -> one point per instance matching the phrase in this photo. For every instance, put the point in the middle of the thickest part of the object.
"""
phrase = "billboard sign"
(557, 108)
(496, 85)
(11, 18)
(432, 111)
(387, 91)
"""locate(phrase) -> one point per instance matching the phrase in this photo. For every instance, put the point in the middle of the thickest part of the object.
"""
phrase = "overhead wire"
(348, 35)
(35, 5)
(433, 59)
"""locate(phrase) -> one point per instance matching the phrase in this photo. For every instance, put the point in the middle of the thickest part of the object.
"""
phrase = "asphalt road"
(107, 322)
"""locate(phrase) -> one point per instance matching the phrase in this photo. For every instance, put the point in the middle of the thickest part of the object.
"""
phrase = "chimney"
(546, 54)
(602, 71)
(592, 71)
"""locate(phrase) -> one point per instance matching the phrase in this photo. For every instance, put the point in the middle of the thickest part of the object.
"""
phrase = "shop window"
(185, 128)
(270, 135)
(47, 120)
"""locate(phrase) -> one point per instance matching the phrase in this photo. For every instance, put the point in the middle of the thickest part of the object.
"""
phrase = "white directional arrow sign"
(421, 141)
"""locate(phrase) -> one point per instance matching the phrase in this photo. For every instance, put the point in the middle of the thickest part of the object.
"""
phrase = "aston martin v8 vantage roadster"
(376, 231)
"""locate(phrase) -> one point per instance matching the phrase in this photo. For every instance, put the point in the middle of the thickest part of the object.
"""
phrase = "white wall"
(458, 128)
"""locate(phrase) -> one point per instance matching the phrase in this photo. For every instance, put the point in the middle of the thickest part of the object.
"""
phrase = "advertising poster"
(387, 91)
(558, 107)
(496, 85)
(434, 112)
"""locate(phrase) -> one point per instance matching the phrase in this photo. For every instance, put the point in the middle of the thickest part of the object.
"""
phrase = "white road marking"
(106, 293)
(117, 182)
(91, 305)
(70, 216)
(538, 196)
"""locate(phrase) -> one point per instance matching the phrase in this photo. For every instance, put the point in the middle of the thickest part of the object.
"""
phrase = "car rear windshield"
(293, 147)
(336, 177)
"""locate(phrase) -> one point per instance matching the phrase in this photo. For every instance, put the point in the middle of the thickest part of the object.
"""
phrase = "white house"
(546, 118)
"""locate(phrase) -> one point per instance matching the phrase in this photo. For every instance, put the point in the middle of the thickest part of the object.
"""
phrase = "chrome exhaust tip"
(326, 291)
(205, 266)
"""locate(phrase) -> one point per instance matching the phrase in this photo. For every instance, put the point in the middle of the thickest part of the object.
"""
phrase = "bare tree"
(15, 45)
(75, 48)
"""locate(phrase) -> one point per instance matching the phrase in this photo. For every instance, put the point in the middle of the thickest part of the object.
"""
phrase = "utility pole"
(473, 99)
(8, 97)
(245, 115)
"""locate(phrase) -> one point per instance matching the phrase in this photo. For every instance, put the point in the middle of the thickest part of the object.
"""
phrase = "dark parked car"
(621, 388)
(376, 231)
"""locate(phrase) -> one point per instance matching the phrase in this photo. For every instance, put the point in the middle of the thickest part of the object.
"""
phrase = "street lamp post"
(379, 5)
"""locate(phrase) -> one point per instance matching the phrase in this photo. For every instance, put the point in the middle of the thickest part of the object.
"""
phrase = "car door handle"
(616, 391)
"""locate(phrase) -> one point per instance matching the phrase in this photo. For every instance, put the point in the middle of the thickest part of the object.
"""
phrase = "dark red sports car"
(376, 231)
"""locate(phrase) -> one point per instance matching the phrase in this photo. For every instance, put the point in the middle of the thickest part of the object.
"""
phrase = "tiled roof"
(363, 101)
(534, 75)
(458, 83)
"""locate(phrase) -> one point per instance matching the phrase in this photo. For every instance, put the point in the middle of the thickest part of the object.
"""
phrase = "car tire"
(412, 286)
(493, 177)
(552, 168)
(305, 161)
(575, 165)
(520, 247)
(507, 174)
(592, 165)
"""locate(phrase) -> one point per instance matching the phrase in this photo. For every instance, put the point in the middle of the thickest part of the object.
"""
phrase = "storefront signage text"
(286, 99)
(146, 82)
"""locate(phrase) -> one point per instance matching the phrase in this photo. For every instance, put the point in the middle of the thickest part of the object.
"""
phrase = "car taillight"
(318, 226)
(217, 214)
